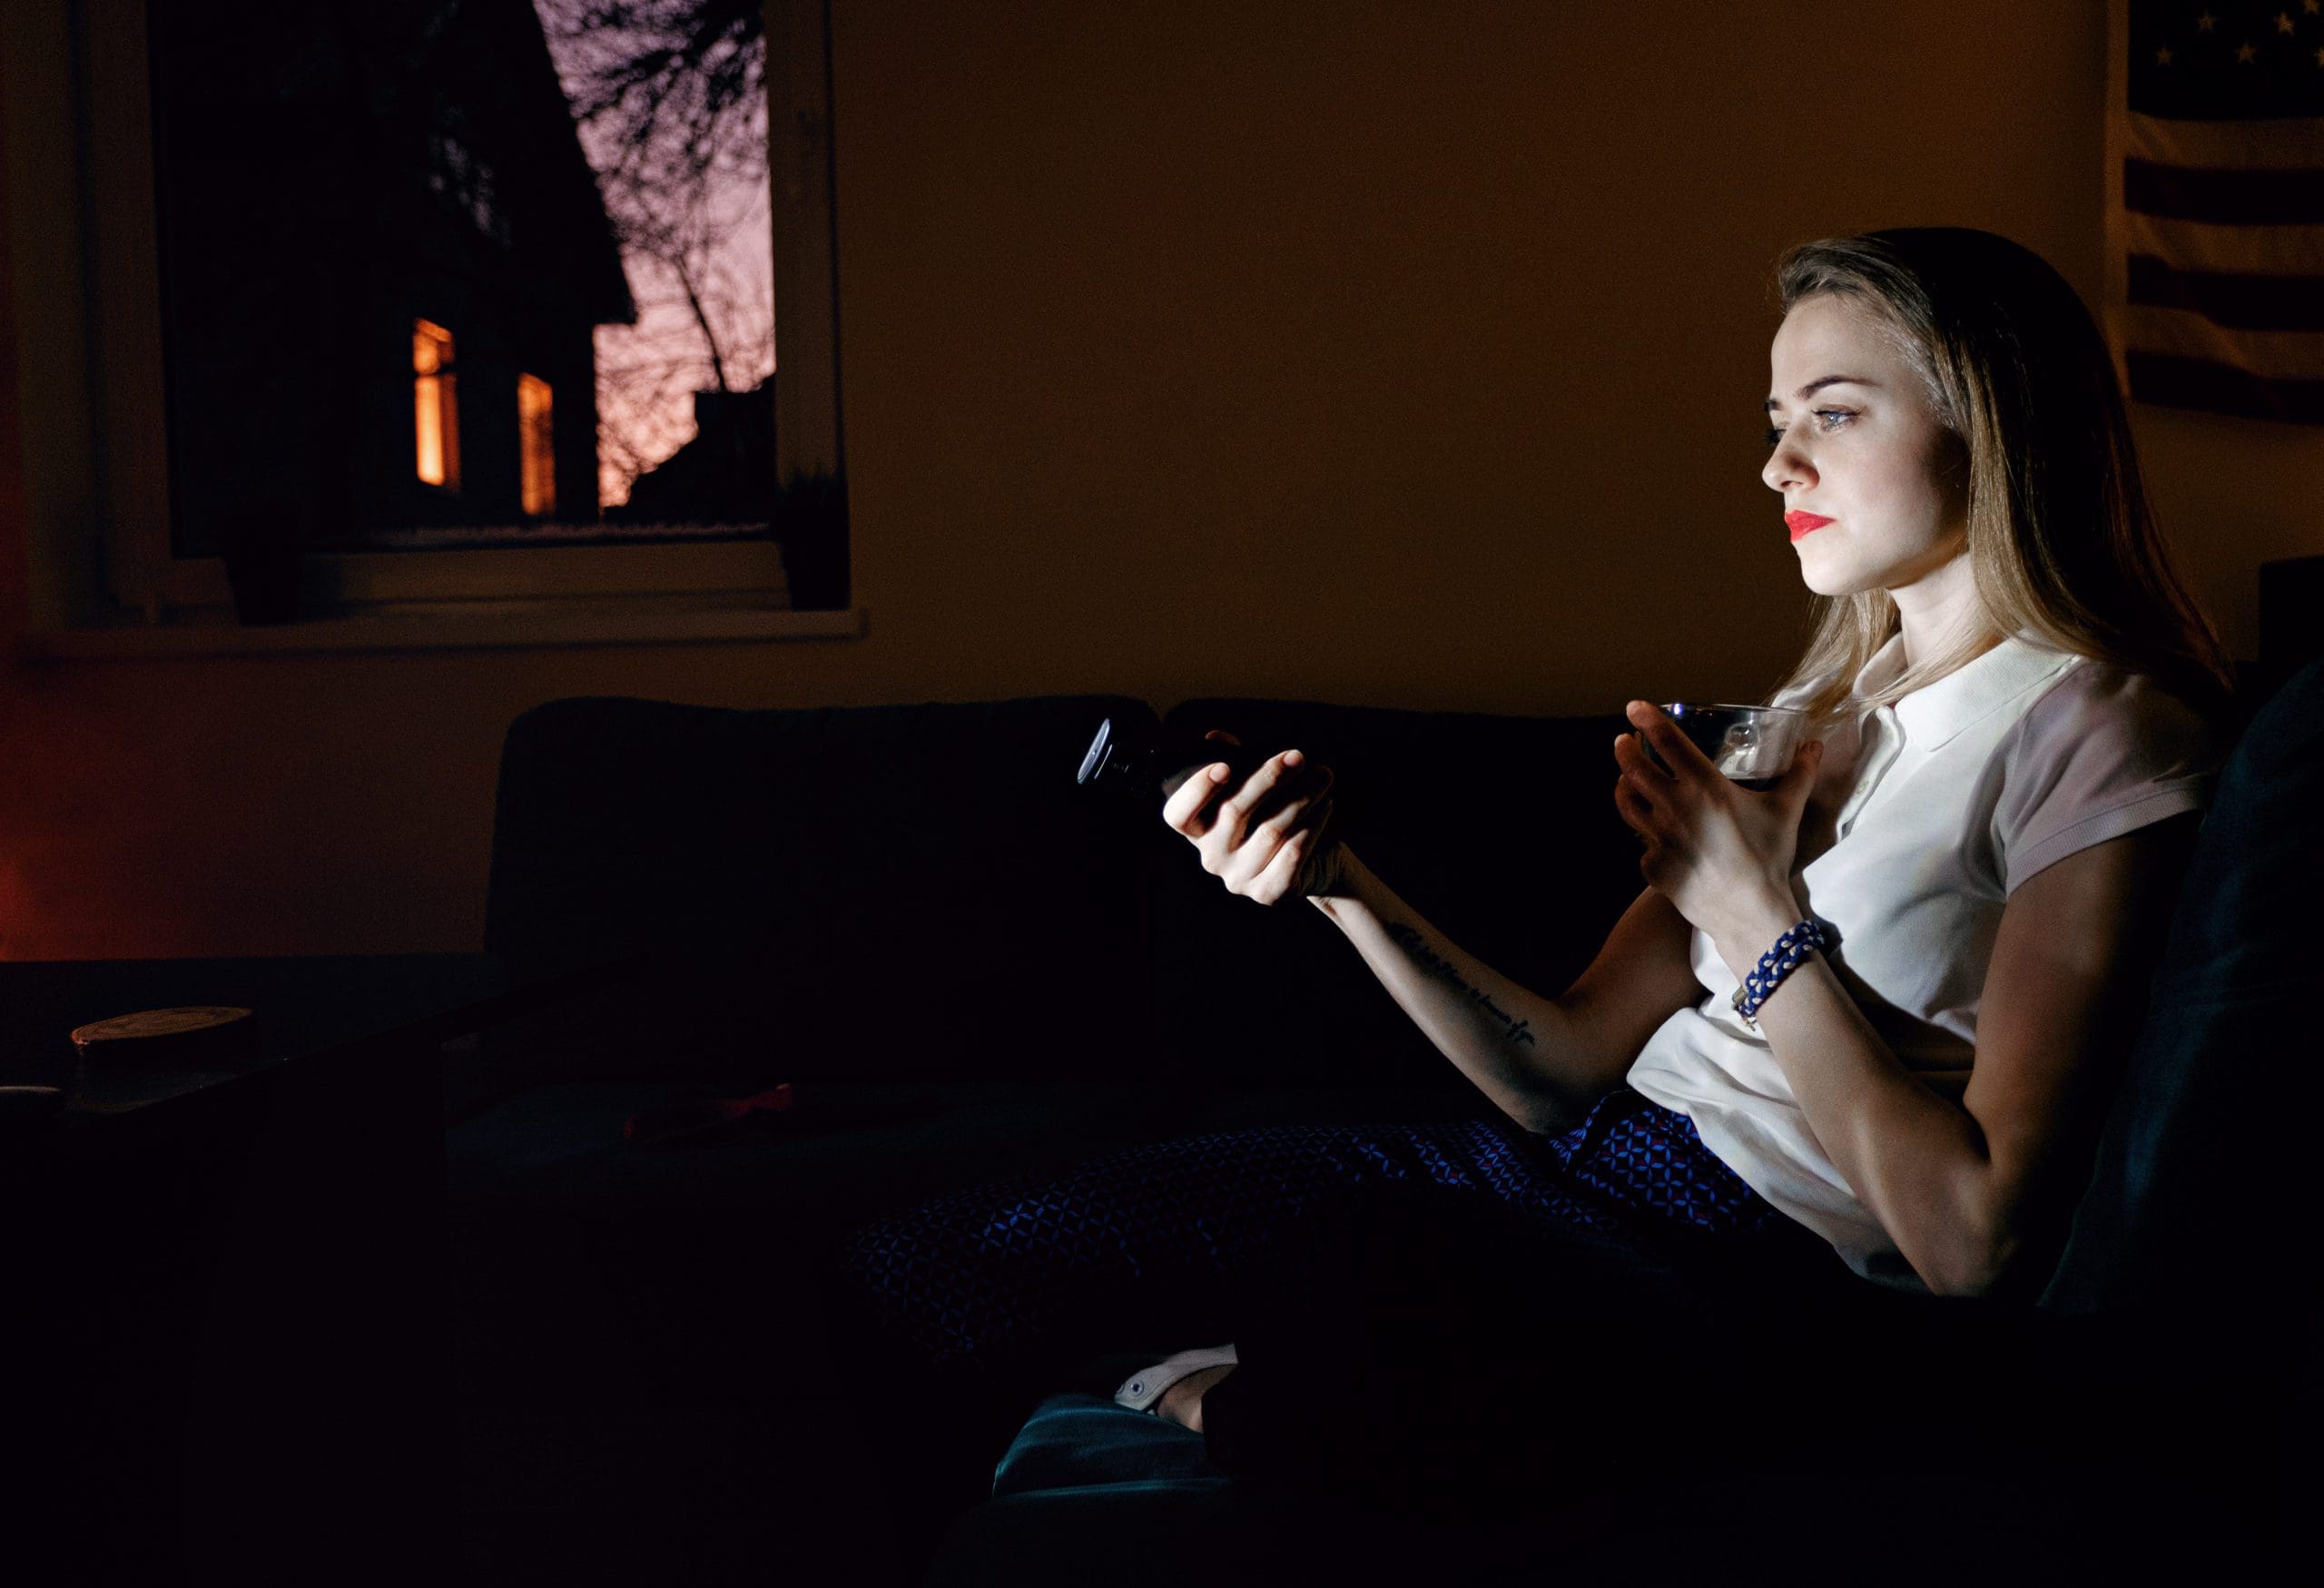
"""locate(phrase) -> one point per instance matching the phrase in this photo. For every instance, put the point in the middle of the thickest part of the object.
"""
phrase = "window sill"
(436, 626)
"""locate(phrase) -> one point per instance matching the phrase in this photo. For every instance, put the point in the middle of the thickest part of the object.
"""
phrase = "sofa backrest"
(871, 893)
(923, 891)
(1499, 830)
(2199, 1218)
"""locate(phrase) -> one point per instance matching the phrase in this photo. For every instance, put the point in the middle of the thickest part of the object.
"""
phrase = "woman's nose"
(1787, 468)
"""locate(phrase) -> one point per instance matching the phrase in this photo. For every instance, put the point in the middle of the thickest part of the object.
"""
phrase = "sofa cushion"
(1501, 830)
(906, 893)
(577, 1254)
(2196, 1222)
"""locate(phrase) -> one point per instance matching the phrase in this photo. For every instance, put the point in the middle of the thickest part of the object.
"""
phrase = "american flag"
(2215, 205)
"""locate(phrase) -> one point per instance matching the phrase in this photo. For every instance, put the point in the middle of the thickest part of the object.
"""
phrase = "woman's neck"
(1941, 610)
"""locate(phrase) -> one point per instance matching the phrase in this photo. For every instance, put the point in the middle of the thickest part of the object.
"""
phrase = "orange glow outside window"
(435, 405)
(536, 438)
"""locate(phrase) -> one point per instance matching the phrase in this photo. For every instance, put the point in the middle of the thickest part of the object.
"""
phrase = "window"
(436, 413)
(536, 438)
(198, 139)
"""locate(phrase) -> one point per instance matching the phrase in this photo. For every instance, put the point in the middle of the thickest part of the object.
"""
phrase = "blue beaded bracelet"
(1793, 947)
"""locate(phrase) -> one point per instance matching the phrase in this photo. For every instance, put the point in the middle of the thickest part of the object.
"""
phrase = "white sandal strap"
(1141, 1391)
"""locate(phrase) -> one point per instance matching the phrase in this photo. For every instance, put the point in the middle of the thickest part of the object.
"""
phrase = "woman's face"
(1856, 443)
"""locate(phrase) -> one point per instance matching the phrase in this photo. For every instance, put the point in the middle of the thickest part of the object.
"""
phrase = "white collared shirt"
(1946, 802)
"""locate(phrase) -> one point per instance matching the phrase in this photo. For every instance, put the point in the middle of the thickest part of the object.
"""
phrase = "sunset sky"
(647, 373)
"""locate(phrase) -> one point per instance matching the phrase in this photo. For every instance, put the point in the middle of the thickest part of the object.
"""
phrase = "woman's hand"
(1265, 840)
(1720, 852)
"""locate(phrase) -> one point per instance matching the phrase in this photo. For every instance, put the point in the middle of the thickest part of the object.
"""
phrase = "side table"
(224, 1310)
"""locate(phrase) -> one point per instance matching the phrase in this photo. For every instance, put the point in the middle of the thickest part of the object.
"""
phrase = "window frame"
(78, 140)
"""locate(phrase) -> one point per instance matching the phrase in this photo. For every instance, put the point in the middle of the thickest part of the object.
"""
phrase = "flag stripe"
(2253, 198)
(2214, 207)
(2272, 355)
(2258, 302)
(2182, 382)
(2258, 251)
(2286, 143)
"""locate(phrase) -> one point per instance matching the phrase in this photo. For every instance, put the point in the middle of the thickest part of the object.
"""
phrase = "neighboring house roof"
(457, 94)
(494, 67)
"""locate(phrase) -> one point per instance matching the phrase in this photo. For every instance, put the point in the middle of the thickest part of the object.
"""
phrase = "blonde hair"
(2061, 545)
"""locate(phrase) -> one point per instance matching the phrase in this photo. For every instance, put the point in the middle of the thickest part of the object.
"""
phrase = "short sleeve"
(2102, 754)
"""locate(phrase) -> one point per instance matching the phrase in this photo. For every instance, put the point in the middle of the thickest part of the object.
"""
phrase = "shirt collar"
(1935, 713)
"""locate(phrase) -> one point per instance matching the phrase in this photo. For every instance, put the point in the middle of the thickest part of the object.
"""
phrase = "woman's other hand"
(1264, 838)
(1720, 852)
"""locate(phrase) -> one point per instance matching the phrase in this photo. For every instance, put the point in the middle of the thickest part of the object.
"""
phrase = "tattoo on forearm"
(1413, 944)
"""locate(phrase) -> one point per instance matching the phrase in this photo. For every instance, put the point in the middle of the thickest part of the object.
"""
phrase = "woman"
(1948, 911)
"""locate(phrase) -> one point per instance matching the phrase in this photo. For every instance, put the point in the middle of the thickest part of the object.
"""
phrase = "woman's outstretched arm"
(1542, 1059)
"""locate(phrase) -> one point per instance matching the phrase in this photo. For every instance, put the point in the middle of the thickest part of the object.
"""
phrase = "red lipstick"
(1801, 523)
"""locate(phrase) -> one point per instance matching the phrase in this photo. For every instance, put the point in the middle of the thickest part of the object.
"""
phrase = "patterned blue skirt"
(1159, 1246)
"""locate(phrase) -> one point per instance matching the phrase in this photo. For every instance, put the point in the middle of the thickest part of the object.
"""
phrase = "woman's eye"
(1827, 420)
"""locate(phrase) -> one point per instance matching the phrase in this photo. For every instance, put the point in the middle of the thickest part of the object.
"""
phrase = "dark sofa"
(968, 968)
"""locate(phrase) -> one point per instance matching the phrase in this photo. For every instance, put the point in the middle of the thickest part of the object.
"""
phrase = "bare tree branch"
(670, 96)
